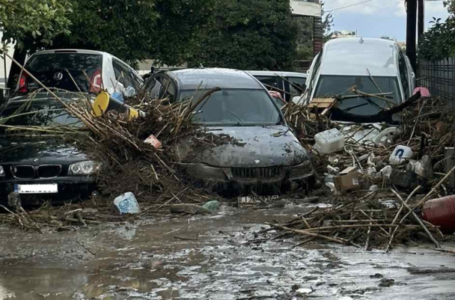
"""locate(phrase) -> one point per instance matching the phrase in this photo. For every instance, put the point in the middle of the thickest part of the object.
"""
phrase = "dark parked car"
(266, 152)
(41, 163)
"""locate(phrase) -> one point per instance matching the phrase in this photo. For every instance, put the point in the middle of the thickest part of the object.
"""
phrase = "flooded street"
(211, 257)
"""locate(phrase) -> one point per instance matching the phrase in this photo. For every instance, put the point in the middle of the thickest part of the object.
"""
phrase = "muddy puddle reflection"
(212, 258)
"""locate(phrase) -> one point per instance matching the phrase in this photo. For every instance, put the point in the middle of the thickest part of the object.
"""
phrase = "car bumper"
(298, 174)
(68, 187)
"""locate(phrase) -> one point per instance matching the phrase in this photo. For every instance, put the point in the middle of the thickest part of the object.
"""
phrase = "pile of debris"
(137, 167)
(371, 168)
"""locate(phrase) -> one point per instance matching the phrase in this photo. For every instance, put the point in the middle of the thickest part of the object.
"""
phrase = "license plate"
(36, 188)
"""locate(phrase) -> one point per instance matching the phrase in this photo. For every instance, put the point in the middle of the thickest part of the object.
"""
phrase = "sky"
(376, 18)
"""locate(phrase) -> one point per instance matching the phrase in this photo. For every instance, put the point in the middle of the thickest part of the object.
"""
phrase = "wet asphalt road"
(211, 258)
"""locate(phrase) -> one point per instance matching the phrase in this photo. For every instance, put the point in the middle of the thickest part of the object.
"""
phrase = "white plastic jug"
(329, 141)
(127, 204)
(400, 154)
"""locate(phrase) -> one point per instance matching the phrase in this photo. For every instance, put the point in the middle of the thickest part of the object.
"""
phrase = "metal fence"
(439, 78)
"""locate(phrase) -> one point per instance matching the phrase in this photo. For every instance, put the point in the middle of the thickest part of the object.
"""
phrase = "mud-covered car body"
(39, 163)
(263, 150)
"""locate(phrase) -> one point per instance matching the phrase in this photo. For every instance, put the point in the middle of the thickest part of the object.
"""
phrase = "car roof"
(279, 73)
(82, 51)
(192, 79)
(353, 56)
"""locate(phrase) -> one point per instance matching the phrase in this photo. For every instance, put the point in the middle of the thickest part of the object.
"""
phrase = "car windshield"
(385, 87)
(52, 70)
(38, 114)
(234, 107)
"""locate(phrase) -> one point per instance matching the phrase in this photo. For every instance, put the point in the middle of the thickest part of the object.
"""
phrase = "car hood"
(38, 150)
(253, 146)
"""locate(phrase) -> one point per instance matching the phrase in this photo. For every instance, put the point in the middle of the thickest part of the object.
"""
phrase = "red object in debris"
(441, 212)
(424, 92)
(152, 140)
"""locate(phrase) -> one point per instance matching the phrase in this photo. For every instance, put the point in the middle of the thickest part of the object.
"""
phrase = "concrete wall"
(306, 8)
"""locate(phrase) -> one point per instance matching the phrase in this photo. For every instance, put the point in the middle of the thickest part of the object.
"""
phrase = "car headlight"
(305, 169)
(84, 168)
(2, 172)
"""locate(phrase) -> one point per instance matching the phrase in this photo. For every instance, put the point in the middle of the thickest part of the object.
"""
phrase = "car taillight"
(96, 82)
(23, 83)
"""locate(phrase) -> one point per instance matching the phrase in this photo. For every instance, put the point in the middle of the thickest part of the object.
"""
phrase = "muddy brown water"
(210, 258)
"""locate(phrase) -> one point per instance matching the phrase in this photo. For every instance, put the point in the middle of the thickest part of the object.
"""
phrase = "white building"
(5, 64)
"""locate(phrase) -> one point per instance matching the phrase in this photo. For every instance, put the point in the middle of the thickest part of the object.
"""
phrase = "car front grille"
(30, 172)
(49, 171)
(258, 173)
(23, 172)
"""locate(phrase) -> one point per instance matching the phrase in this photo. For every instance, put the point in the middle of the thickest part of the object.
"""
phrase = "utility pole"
(411, 28)
(421, 19)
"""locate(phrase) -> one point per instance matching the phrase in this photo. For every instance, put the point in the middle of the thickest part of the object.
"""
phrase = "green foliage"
(327, 23)
(137, 29)
(34, 22)
(247, 34)
(439, 42)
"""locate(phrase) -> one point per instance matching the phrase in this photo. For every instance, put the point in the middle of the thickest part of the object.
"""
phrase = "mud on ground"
(211, 257)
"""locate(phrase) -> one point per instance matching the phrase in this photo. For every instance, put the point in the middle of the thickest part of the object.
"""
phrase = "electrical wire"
(343, 7)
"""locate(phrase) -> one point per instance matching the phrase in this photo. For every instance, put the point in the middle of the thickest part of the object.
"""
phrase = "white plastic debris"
(329, 141)
(387, 136)
(423, 168)
(386, 172)
(400, 154)
(374, 188)
(127, 204)
(304, 291)
(333, 170)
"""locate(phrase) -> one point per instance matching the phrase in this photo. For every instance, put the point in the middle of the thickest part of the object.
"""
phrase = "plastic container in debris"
(127, 204)
(329, 141)
(441, 212)
(213, 205)
(400, 154)
(423, 168)
(386, 172)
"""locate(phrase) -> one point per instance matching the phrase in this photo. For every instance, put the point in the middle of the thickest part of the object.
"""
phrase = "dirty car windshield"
(38, 114)
(234, 107)
(340, 85)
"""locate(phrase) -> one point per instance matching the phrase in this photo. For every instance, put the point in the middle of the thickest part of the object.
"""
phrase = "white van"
(373, 66)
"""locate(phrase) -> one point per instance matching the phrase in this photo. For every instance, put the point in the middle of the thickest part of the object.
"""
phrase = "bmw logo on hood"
(58, 76)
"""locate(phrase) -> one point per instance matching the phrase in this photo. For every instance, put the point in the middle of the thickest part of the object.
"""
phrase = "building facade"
(309, 16)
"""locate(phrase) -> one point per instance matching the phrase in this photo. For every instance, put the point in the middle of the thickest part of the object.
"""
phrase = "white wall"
(303, 8)
(2, 62)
